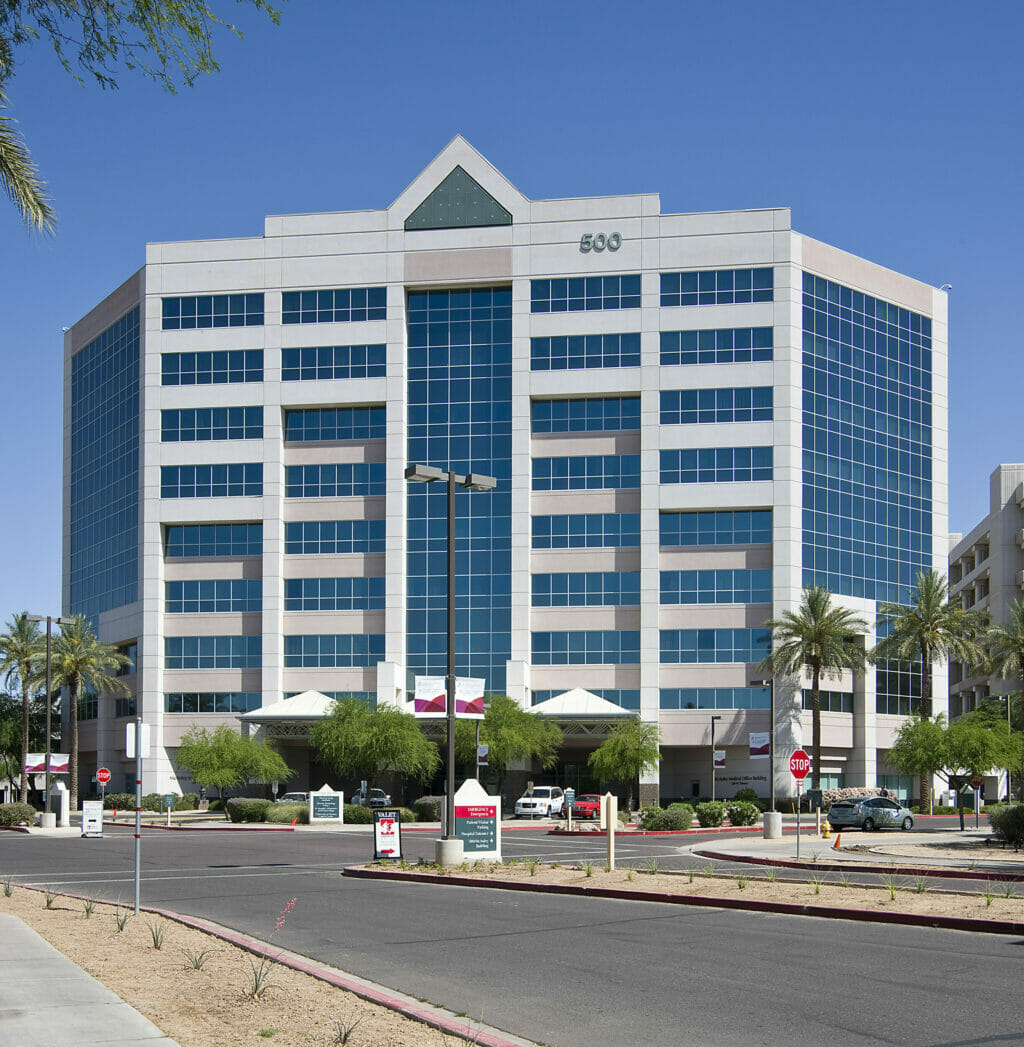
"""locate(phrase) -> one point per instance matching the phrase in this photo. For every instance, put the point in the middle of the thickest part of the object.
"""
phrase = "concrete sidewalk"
(47, 1001)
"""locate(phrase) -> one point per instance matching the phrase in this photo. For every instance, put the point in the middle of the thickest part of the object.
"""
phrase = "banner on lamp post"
(719, 759)
(469, 697)
(35, 763)
(760, 745)
(430, 699)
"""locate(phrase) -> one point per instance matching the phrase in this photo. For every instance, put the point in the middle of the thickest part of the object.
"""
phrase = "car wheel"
(869, 825)
(908, 823)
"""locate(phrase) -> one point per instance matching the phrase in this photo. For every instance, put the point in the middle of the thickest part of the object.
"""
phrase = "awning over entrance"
(583, 714)
(291, 717)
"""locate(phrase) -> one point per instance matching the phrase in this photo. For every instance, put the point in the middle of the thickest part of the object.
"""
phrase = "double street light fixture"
(472, 482)
(49, 619)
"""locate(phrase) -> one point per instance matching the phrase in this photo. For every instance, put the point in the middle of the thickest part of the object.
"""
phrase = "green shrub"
(1008, 824)
(152, 802)
(711, 813)
(356, 815)
(186, 802)
(746, 796)
(428, 809)
(742, 812)
(406, 814)
(215, 805)
(119, 802)
(246, 809)
(17, 814)
(284, 813)
(650, 818)
(678, 816)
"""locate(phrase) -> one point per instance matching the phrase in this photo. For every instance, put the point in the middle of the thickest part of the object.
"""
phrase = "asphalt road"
(575, 972)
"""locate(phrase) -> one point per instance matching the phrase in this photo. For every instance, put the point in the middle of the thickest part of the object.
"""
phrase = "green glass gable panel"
(459, 202)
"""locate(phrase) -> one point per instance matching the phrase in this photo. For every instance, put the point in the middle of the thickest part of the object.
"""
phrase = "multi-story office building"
(986, 573)
(690, 417)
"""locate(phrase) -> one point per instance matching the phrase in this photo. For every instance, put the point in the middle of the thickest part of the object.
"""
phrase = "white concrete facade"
(372, 249)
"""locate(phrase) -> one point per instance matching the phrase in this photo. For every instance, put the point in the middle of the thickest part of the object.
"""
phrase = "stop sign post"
(103, 777)
(799, 765)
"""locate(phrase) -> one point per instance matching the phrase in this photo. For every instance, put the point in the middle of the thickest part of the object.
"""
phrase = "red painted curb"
(207, 828)
(339, 979)
(659, 832)
(16, 828)
(950, 923)
(899, 870)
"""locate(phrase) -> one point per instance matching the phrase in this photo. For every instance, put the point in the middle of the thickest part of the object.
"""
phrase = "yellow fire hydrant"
(825, 829)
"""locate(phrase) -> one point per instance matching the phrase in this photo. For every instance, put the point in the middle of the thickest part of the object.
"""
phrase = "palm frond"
(20, 178)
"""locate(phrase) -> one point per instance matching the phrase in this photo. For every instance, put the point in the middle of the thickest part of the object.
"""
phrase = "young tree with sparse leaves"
(632, 748)
(222, 759)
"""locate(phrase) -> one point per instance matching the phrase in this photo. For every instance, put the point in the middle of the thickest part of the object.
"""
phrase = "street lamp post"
(770, 684)
(49, 619)
(472, 482)
(713, 719)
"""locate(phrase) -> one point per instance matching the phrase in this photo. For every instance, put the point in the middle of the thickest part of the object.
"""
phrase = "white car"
(545, 800)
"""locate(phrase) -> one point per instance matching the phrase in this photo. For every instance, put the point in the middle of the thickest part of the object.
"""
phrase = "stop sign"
(799, 764)
(977, 783)
(103, 776)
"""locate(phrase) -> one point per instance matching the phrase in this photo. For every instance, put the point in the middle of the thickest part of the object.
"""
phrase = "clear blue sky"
(892, 130)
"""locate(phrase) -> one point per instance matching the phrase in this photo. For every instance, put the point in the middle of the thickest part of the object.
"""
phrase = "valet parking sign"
(387, 834)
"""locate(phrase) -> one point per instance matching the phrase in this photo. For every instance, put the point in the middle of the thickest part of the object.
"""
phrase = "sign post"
(799, 765)
(977, 783)
(103, 779)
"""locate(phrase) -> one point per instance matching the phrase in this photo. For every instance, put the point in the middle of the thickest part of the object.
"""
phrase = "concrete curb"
(435, 1017)
(949, 923)
(261, 828)
(898, 870)
(660, 832)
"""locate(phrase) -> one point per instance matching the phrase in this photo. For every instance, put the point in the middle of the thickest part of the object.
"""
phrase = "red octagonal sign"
(103, 776)
(799, 764)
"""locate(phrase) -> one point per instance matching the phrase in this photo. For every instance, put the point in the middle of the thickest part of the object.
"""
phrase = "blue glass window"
(322, 537)
(831, 701)
(104, 490)
(211, 423)
(334, 423)
(369, 697)
(627, 698)
(867, 443)
(716, 586)
(593, 589)
(211, 481)
(220, 367)
(687, 406)
(586, 530)
(714, 645)
(580, 293)
(212, 652)
(185, 541)
(212, 702)
(715, 698)
(334, 594)
(459, 384)
(707, 465)
(213, 595)
(342, 305)
(728, 345)
(717, 287)
(593, 647)
(213, 310)
(740, 527)
(344, 480)
(898, 689)
(345, 650)
(605, 415)
(586, 472)
(327, 362)
(576, 351)
(131, 652)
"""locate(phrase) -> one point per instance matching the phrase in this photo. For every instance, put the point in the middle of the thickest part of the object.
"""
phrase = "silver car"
(868, 813)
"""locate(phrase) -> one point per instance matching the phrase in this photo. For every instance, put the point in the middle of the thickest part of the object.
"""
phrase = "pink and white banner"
(760, 745)
(429, 700)
(36, 763)
(469, 698)
(719, 759)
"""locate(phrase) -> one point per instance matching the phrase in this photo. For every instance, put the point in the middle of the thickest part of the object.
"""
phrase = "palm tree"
(928, 627)
(20, 650)
(79, 658)
(817, 635)
(1004, 645)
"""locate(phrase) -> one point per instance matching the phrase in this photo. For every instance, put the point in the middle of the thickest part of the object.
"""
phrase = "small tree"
(357, 741)
(20, 650)
(818, 635)
(222, 759)
(632, 748)
(511, 733)
(920, 748)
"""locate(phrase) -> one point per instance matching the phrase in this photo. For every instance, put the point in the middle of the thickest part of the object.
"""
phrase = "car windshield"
(544, 792)
(589, 798)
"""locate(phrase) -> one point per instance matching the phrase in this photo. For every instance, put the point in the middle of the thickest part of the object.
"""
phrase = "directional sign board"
(799, 765)
(387, 834)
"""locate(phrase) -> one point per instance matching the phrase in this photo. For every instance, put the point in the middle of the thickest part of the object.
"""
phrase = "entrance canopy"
(291, 717)
(582, 713)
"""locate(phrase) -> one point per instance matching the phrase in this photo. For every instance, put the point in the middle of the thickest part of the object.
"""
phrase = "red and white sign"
(103, 776)
(387, 834)
(977, 782)
(430, 698)
(36, 763)
(719, 759)
(760, 745)
(799, 765)
(469, 697)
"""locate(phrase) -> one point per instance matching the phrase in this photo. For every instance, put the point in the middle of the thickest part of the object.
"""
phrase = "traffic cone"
(839, 840)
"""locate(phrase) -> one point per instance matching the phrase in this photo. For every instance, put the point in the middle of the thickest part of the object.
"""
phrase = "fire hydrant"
(825, 830)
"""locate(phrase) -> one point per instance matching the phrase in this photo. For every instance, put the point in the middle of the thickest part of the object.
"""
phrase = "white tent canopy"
(310, 705)
(581, 712)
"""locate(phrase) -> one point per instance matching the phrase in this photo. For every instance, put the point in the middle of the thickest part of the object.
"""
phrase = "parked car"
(546, 800)
(294, 798)
(378, 798)
(868, 813)
(587, 805)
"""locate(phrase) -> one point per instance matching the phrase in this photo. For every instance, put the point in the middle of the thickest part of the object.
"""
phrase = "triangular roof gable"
(580, 703)
(491, 184)
(459, 202)
(310, 705)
